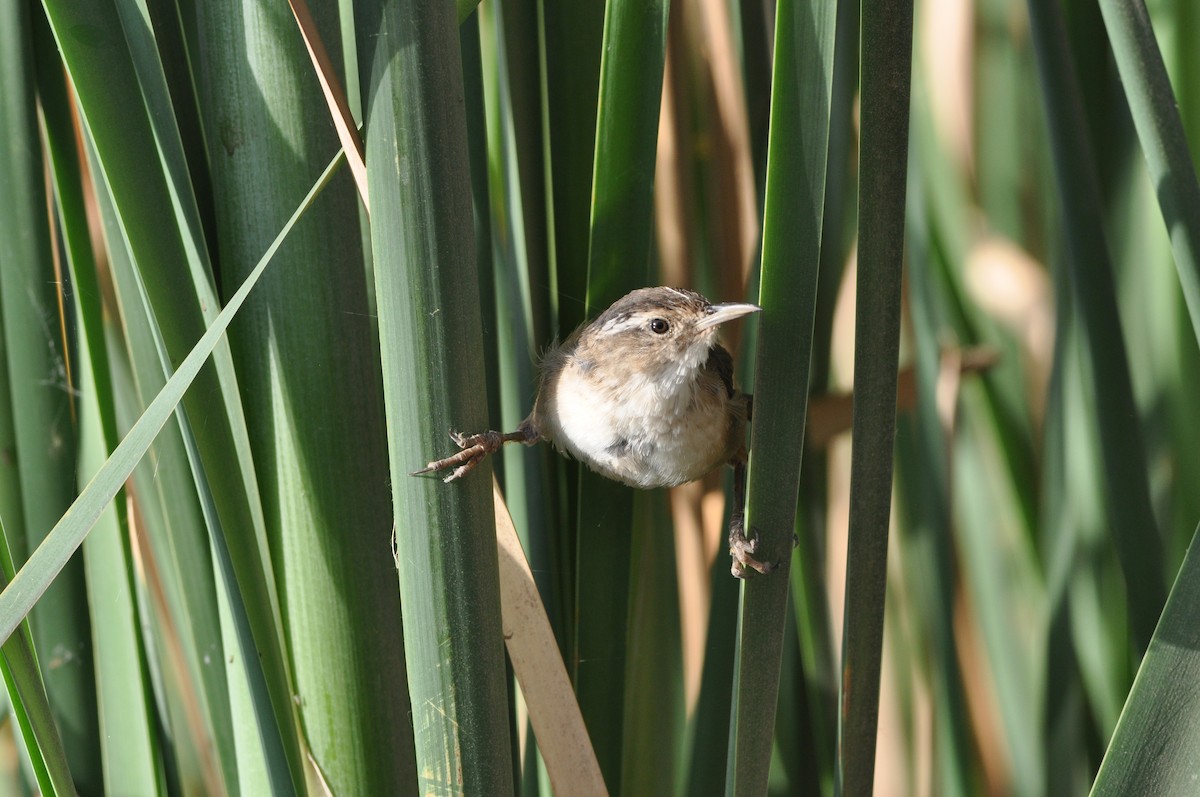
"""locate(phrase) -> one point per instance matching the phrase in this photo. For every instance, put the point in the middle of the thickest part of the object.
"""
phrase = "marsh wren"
(643, 395)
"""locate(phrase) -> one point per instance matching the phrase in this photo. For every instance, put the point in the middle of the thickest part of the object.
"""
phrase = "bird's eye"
(659, 325)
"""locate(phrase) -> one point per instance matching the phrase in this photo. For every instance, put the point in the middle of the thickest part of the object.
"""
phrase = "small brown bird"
(643, 395)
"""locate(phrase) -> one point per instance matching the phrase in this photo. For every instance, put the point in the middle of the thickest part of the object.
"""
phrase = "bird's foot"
(743, 548)
(474, 448)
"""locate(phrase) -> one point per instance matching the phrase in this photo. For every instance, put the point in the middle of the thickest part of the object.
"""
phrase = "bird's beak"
(720, 313)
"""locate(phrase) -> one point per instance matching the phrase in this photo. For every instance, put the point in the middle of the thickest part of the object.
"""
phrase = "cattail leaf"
(797, 155)
(423, 251)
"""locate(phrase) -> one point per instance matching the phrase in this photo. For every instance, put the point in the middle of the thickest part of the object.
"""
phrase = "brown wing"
(721, 362)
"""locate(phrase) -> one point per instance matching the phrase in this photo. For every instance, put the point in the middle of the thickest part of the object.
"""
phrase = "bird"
(643, 395)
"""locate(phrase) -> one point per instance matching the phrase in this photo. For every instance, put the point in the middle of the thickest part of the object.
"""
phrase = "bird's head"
(662, 334)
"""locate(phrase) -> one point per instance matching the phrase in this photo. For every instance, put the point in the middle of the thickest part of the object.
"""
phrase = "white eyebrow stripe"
(622, 324)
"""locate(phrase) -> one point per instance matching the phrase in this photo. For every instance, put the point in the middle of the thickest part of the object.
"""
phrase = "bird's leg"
(475, 447)
(741, 547)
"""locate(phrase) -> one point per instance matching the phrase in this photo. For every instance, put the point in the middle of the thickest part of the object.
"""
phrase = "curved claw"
(474, 449)
(743, 548)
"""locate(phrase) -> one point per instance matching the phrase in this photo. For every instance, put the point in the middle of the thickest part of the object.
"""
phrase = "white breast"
(642, 432)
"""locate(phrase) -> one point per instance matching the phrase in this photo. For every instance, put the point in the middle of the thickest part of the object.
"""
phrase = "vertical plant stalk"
(886, 76)
(1090, 281)
(792, 219)
(429, 328)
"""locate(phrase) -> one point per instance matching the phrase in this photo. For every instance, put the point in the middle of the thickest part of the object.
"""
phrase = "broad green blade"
(126, 109)
(883, 175)
(45, 563)
(792, 220)
(311, 388)
(1164, 364)
(426, 286)
(1156, 746)
(1150, 263)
